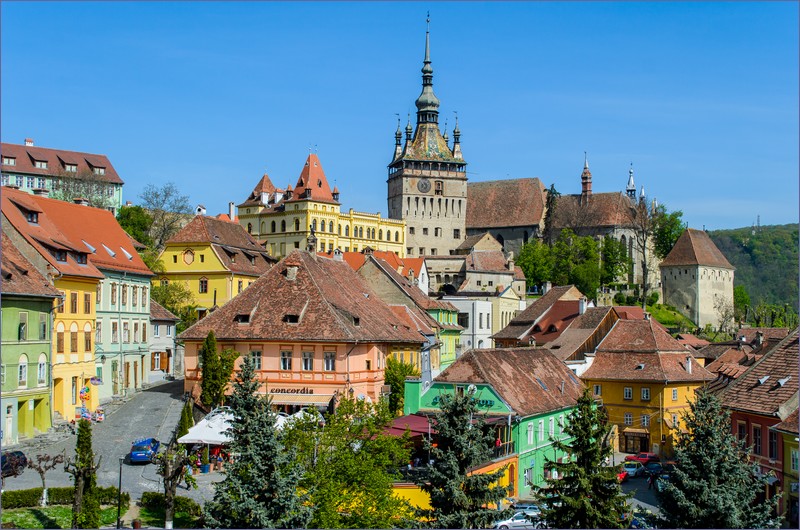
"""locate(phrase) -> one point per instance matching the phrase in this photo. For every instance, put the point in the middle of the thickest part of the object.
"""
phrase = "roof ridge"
(792, 337)
(334, 308)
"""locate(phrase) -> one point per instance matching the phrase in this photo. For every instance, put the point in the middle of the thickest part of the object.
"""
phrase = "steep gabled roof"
(648, 366)
(599, 210)
(639, 336)
(749, 334)
(521, 324)
(505, 203)
(579, 332)
(694, 247)
(306, 298)
(19, 275)
(487, 261)
(25, 157)
(313, 178)
(159, 312)
(789, 425)
(529, 380)
(418, 297)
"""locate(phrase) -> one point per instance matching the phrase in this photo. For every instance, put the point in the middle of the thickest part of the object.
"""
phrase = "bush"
(31, 498)
(619, 299)
(652, 298)
(108, 496)
(155, 501)
(22, 498)
(60, 495)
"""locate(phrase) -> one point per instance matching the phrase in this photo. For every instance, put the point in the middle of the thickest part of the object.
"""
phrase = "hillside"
(766, 261)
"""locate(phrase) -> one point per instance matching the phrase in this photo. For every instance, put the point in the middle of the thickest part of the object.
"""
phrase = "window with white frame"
(22, 379)
(628, 418)
(330, 361)
(674, 394)
(41, 183)
(627, 393)
(308, 361)
(598, 390)
(286, 360)
(169, 330)
(255, 355)
(541, 430)
(645, 394)
(561, 424)
(156, 330)
(31, 182)
(551, 429)
(9, 161)
(675, 420)
(530, 434)
(528, 476)
(794, 460)
(41, 373)
(645, 420)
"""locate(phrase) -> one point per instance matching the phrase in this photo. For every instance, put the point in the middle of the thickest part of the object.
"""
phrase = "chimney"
(689, 365)
(411, 275)
(546, 288)
(41, 192)
(291, 273)
(759, 338)
(200, 210)
(231, 211)
(582, 305)
(29, 142)
(81, 200)
(511, 262)
(128, 203)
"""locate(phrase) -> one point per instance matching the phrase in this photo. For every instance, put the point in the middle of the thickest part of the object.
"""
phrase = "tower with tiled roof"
(427, 185)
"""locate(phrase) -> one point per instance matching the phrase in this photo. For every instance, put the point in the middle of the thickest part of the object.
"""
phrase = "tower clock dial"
(424, 185)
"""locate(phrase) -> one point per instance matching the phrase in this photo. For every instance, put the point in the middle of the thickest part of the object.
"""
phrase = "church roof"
(313, 178)
(428, 144)
(503, 203)
(694, 247)
(598, 209)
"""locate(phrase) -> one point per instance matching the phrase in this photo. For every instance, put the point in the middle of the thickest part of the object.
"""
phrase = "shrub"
(652, 298)
(29, 498)
(155, 501)
(619, 299)
(61, 495)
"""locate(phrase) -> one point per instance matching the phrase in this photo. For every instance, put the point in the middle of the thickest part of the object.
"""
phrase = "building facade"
(427, 184)
(27, 304)
(284, 220)
(165, 357)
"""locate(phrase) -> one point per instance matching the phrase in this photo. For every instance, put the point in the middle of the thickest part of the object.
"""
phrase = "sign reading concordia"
(304, 390)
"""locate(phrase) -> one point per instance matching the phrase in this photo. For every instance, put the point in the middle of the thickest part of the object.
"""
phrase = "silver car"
(519, 520)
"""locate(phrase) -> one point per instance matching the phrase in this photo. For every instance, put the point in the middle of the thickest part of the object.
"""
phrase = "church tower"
(428, 178)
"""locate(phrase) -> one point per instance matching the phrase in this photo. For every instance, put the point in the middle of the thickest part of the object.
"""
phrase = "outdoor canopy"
(213, 428)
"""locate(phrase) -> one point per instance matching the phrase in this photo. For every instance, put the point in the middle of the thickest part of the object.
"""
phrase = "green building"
(26, 301)
(526, 393)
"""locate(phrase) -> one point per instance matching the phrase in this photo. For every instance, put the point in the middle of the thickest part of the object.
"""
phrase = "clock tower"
(428, 178)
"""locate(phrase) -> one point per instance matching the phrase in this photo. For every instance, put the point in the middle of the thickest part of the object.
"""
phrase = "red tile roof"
(687, 339)
(694, 247)
(414, 318)
(505, 203)
(521, 324)
(56, 162)
(329, 300)
(264, 185)
(789, 424)
(647, 366)
(313, 178)
(19, 275)
(357, 259)
(158, 312)
(749, 334)
(583, 333)
(519, 376)
(487, 261)
(769, 384)
(639, 336)
(601, 210)
(420, 299)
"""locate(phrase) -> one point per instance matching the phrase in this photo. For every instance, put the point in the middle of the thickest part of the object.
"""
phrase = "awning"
(318, 400)
(416, 423)
(636, 433)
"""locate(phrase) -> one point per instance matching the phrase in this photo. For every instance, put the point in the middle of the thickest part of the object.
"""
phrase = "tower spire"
(427, 102)
(630, 189)
(586, 180)
(398, 135)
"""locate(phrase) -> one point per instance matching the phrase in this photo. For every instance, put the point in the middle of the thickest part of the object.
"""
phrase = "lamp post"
(119, 495)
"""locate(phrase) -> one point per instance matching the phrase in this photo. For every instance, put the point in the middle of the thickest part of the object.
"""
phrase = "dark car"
(653, 468)
(144, 449)
(13, 463)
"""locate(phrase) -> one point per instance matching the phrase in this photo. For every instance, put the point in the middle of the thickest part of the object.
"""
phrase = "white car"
(519, 520)
(634, 468)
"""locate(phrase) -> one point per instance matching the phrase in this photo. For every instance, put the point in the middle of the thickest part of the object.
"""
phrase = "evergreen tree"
(589, 493)
(549, 215)
(459, 498)
(260, 485)
(714, 484)
(217, 370)
(83, 468)
(395, 377)
(187, 419)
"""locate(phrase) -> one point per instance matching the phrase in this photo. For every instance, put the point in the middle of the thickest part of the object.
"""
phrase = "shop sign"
(96, 381)
(793, 487)
(304, 390)
(482, 403)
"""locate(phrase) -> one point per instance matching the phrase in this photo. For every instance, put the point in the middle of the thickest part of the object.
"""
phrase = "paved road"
(152, 412)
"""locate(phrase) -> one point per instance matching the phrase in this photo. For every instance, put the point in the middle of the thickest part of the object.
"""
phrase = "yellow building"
(216, 259)
(645, 379)
(284, 219)
(788, 430)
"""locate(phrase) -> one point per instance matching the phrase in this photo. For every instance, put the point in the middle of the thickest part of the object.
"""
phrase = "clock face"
(424, 185)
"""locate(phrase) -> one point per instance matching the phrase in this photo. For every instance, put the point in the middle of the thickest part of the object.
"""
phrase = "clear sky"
(702, 98)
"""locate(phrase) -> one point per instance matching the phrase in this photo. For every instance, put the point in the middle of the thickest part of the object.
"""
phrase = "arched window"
(314, 225)
(273, 227)
(346, 231)
(297, 225)
(397, 236)
(41, 373)
(263, 227)
(322, 226)
(373, 233)
(283, 226)
(380, 234)
(339, 227)
(249, 228)
(330, 227)
(22, 372)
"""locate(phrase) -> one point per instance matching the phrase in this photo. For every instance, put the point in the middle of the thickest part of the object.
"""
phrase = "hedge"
(31, 498)
(155, 500)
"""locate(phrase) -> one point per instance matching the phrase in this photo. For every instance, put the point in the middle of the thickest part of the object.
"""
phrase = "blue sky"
(701, 97)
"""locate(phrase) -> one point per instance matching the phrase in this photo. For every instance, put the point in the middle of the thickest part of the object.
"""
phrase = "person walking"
(650, 480)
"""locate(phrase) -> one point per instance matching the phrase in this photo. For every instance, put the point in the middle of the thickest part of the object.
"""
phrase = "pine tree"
(217, 369)
(586, 494)
(187, 420)
(83, 467)
(260, 485)
(460, 499)
(714, 484)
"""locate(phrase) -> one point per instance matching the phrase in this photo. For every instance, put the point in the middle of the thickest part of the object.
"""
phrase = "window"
(114, 332)
(411, 230)
(29, 182)
(135, 295)
(541, 430)
(203, 285)
(124, 289)
(675, 421)
(73, 342)
(598, 390)
(156, 330)
(424, 231)
(19, 180)
(113, 294)
(674, 394)
(560, 424)
(169, 330)
(60, 255)
(40, 164)
(308, 361)
(456, 233)
(74, 390)
(627, 393)
(99, 292)
(22, 379)
(794, 460)
(255, 355)
(144, 296)
(87, 303)
(42, 326)
(645, 394)
(72, 168)
(330, 361)
(240, 285)
(3, 374)
(126, 332)
(757, 439)
(286, 360)
(144, 332)
(9, 161)
(551, 427)
(73, 302)
(41, 373)
(23, 325)
(4, 180)
(32, 217)
(60, 342)
(773, 445)
(530, 434)
(645, 420)
(135, 332)
(99, 170)
(438, 188)
(41, 182)
(98, 332)
(628, 418)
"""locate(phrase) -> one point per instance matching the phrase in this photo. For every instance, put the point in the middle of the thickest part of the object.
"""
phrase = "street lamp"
(119, 495)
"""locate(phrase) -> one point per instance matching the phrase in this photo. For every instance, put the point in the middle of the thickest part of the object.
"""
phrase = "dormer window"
(356, 321)
(32, 217)
(242, 319)
(80, 258)
(9, 161)
(40, 164)
(763, 380)
(71, 168)
(291, 319)
(60, 255)
(99, 170)
(640, 366)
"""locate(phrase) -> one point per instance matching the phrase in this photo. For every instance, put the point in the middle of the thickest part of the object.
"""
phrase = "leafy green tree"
(564, 257)
(615, 260)
(589, 493)
(550, 211)
(395, 376)
(667, 228)
(171, 465)
(351, 465)
(713, 484)
(176, 297)
(741, 300)
(217, 368)
(83, 467)
(260, 489)
(459, 498)
(536, 261)
(586, 272)
(136, 222)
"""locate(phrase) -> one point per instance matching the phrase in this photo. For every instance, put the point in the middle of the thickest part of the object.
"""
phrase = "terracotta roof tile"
(694, 247)
(56, 162)
(19, 275)
(329, 301)
(645, 366)
(505, 203)
(639, 336)
(486, 261)
(515, 374)
(790, 423)
(602, 209)
(313, 178)
(420, 299)
(749, 334)
(521, 324)
(687, 339)
(158, 312)
(579, 332)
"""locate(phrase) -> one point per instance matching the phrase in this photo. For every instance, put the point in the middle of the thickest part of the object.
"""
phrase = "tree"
(351, 464)
(576, 260)
(168, 207)
(137, 223)
(86, 185)
(589, 492)
(260, 489)
(458, 497)
(725, 315)
(550, 212)
(615, 260)
(536, 261)
(172, 465)
(714, 484)
(83, 468)
(217, 368)
(176, 297)
(395, 377)
(42, 465)
(644, 225)
(667, 228)
(187, 419)
(741, 299)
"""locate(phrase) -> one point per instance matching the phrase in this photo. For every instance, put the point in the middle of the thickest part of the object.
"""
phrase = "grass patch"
(52, 517)
(669, 317)
(154, 517)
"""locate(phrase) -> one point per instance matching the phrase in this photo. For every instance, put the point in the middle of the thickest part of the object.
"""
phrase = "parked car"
(653, 468)
(519, 520)
(144, 449)
(529, 508)
(622, 474)
(13, 463)
(633, 468)
(644, 458)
